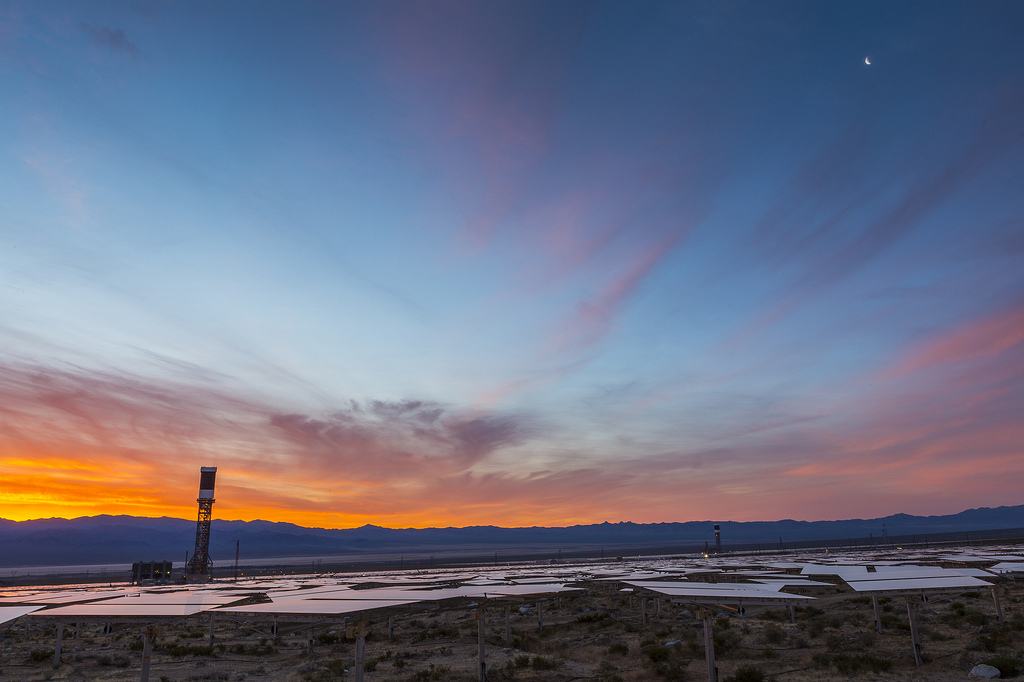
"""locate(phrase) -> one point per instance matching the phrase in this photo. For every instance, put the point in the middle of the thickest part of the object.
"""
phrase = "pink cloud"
(595, 316)
(979, 339)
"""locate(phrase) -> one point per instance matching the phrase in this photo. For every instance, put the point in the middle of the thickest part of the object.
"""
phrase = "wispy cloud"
(84, 442)
(595, 316)
(111, 38)
(978, 339)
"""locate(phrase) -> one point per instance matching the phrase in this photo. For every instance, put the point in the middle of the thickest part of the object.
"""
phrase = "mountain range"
(122, 539)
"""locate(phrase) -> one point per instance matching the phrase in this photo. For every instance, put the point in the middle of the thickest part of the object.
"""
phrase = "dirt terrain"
(595, 634)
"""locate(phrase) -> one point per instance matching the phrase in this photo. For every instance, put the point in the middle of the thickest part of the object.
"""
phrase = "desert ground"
(598, 633)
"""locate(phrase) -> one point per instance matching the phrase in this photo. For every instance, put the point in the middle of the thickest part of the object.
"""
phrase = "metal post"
(480, 615)
(508, 625)
(709, 647)
(60, 643)
(309, 643)
(212, 621)
(78, 625)
(391, 628)
(999, 609)
(878, 613)
(792, 613)
(147, 650)
(657, 604)
(540, 616)
(273, 629)
(360, 655)
(643, 609)
(914, 636)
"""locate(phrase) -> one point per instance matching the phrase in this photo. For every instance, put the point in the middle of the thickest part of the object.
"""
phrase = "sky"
(516, 263)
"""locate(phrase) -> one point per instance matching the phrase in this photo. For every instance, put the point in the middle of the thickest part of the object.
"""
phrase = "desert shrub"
(187, 650)
(835, 620)
(1008, 667)
(996, 638)
(619, 649)
(594, 617)
(835, 643)
(726, 641)
(821, 659)
(747, 674)
(656, 652)
(544, 663)
(773, 634)
(814, 627)
(671, 670)
(722, 623)
(853, 664)
(441, 632)
(434, 672)
(695, 645)
(975, 617)
(328, 638)
(40, 654)
(865, 640)
(892, 621)
(775, 615)
(336, 667)
(769, 652)
(959, 615)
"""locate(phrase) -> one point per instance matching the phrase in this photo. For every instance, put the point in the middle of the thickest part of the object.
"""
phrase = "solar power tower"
(200, 566)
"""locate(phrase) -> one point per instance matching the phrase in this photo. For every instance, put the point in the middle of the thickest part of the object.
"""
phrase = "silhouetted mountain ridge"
(107, 539)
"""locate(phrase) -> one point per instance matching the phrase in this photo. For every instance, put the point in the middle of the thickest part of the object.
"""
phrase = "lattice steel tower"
(200, 565)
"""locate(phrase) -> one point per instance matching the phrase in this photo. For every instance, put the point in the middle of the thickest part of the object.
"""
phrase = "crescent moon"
(867, 60)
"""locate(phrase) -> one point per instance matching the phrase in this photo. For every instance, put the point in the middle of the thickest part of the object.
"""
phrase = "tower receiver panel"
(200, 566)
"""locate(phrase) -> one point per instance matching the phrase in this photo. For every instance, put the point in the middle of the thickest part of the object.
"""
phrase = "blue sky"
(513, 263)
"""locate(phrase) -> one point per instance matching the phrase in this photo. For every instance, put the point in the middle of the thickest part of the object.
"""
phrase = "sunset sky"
(512, 263)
